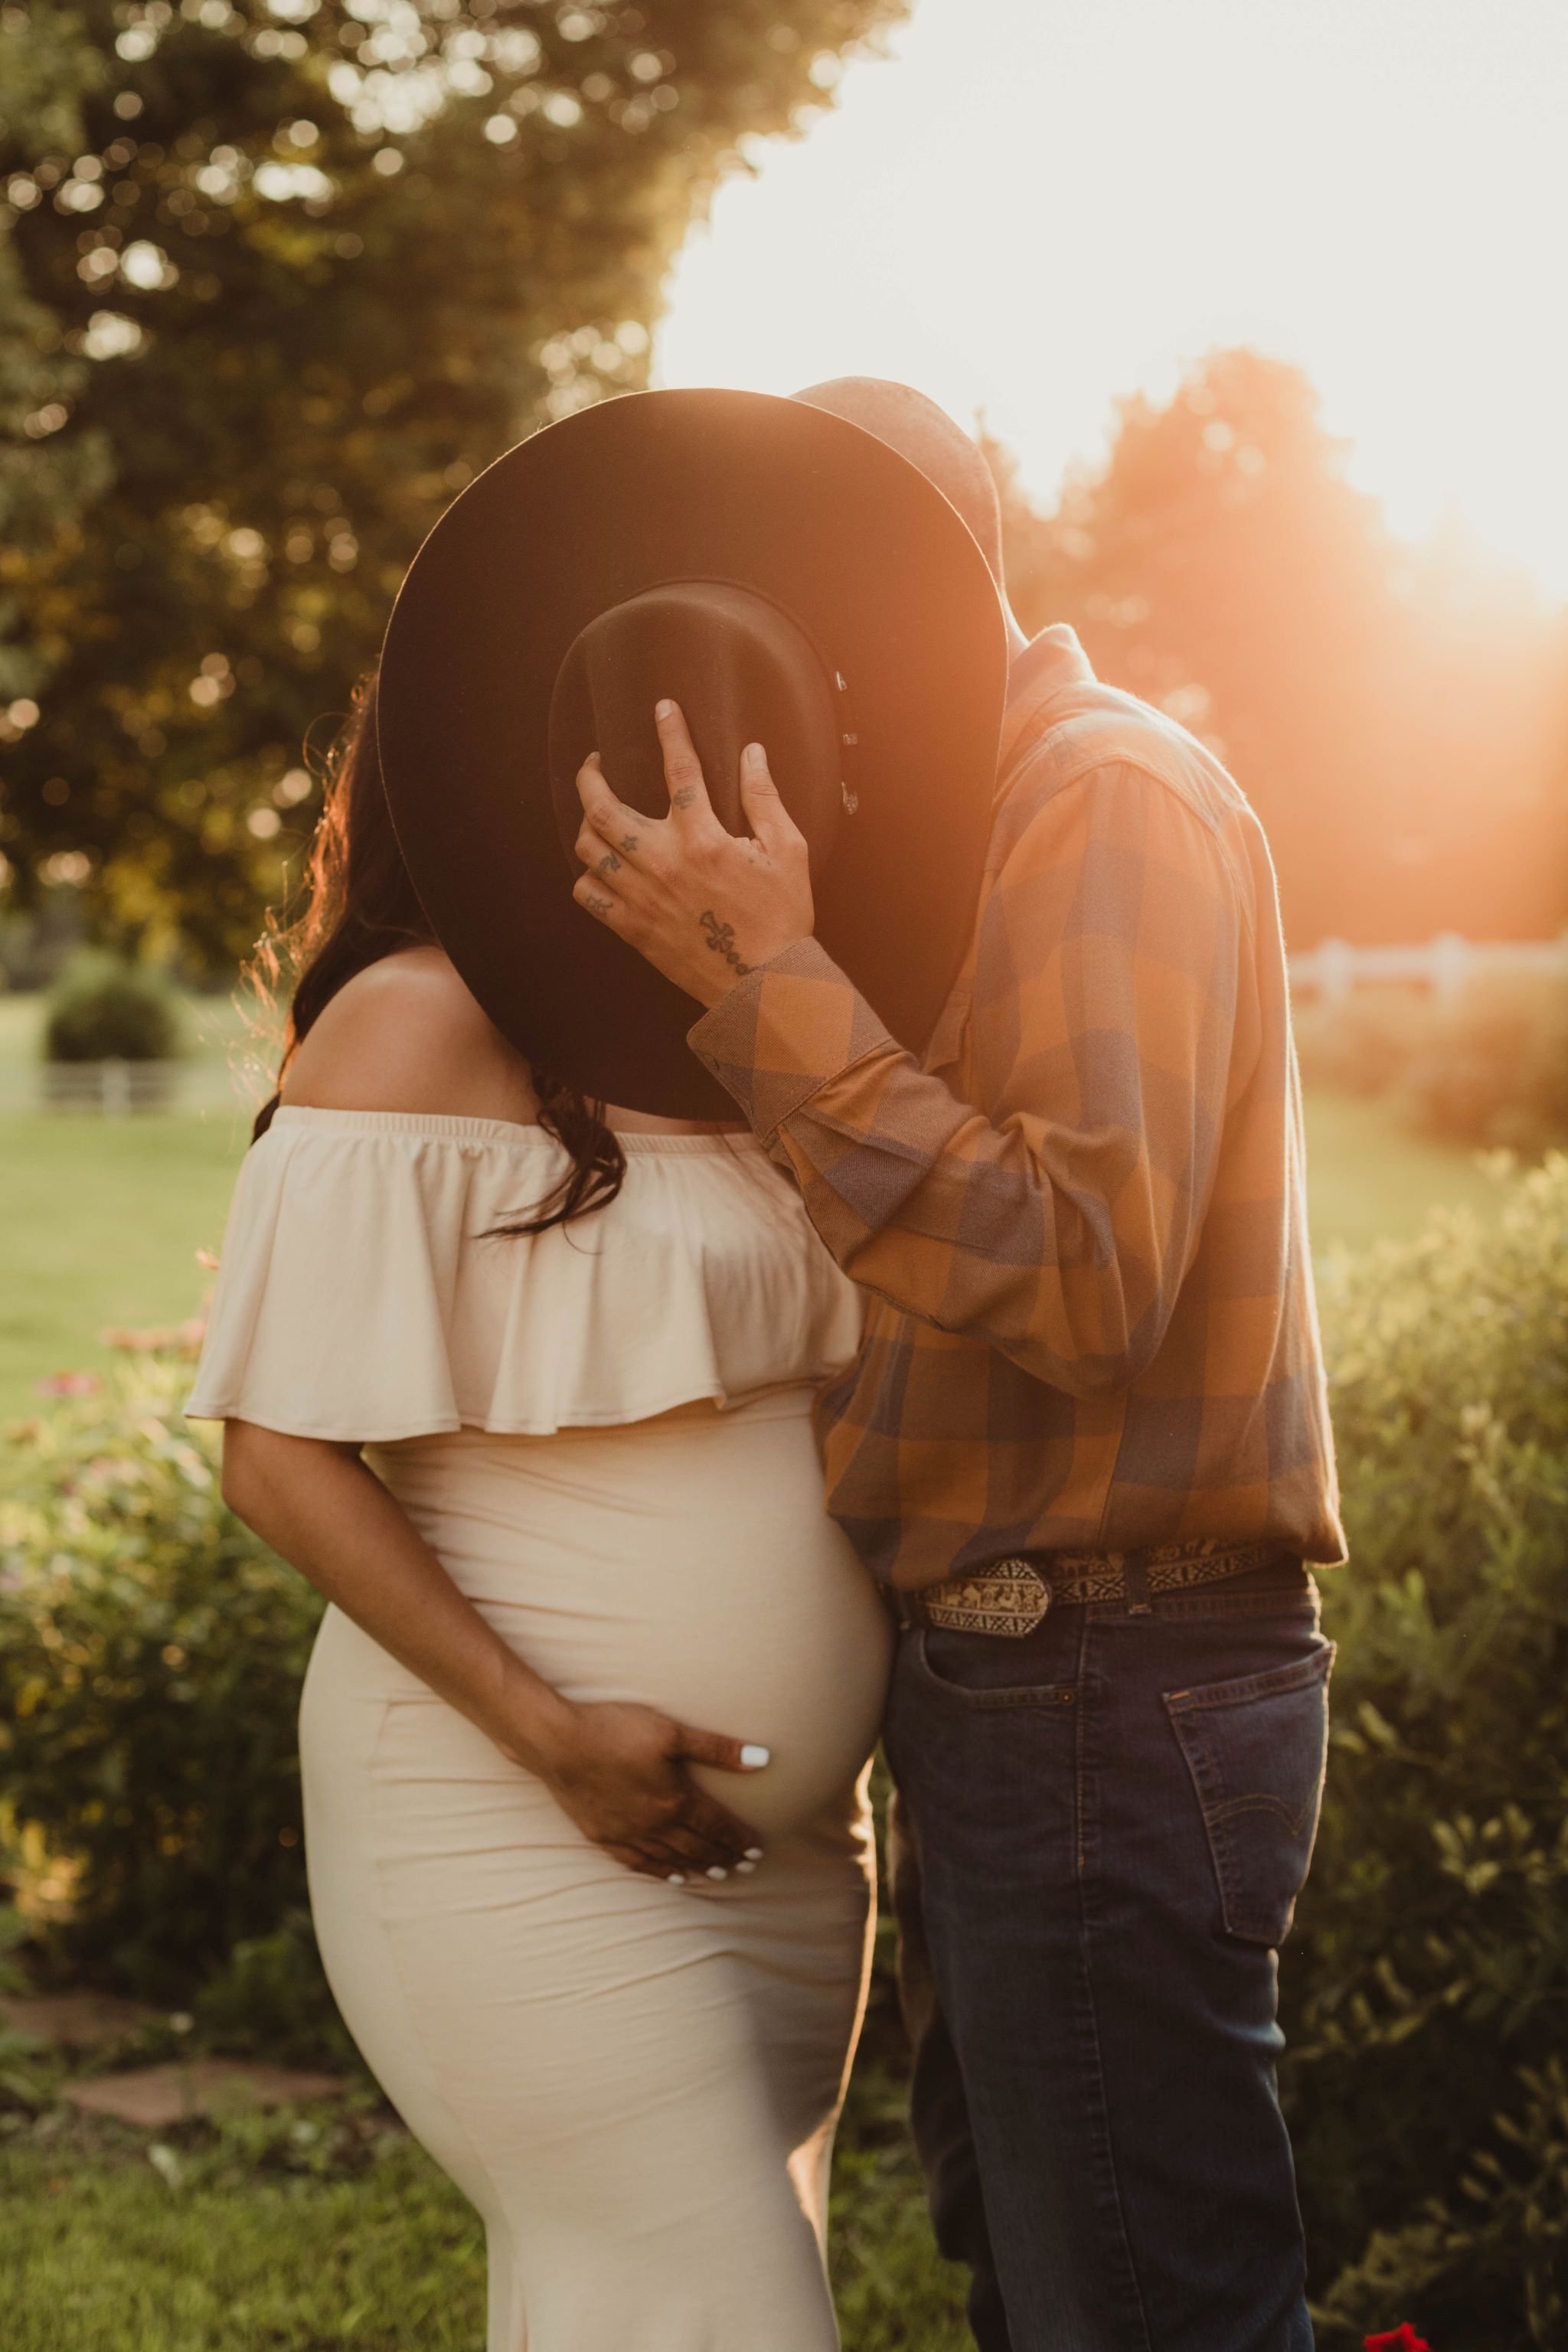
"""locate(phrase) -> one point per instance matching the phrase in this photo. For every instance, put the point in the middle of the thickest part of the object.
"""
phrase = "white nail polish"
(676, 1878)
(753, 1854)
(716, 1873)
(754, 1757)
(744, 1869)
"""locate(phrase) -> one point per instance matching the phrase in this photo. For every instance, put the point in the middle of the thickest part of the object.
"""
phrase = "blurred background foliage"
(1398, 715)
(1426, 1983)
(151, 1651)
(1488, 1069)
(101, 1009)
(276, 278)
(151, 1669)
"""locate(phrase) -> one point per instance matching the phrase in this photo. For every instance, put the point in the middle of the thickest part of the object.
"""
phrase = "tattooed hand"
(721, 939)
(704, 906)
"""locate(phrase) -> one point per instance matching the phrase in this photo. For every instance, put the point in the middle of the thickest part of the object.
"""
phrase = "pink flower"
(1402, 2338)
(162, 1340)
(64, 1384)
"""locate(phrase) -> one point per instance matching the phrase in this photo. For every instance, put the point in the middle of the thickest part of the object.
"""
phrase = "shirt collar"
(1048, 663)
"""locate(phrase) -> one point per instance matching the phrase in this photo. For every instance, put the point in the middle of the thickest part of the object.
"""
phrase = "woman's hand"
(703, 906)
(618, 1770)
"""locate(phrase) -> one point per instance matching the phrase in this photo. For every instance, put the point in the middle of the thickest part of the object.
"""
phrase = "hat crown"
(742, 670)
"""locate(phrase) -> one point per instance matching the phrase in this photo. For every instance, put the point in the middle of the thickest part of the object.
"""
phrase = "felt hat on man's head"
(787, 578)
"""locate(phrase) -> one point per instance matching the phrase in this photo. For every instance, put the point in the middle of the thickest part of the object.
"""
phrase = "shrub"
(1494, 1069)
(104, 1011)
(1491, 1069)
(1365, 1043)
(270, 1998)
(150, 1653)
(1427, 1986)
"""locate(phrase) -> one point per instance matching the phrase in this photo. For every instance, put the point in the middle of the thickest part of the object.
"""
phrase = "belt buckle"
(1010, 1598)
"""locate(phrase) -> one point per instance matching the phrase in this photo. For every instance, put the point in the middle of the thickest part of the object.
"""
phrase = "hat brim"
(767, 493)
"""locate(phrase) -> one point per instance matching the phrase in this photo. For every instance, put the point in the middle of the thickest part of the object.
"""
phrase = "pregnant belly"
(687, 1563)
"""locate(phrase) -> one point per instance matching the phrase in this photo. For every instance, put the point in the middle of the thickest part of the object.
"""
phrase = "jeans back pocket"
(1256, 1748)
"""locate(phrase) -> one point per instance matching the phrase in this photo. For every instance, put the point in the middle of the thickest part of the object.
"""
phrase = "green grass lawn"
(282, 2233)
(1368, 1181)
(103, 1219)
(103, 2253)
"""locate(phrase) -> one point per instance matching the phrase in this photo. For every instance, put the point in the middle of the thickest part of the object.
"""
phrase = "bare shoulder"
(405, 1034)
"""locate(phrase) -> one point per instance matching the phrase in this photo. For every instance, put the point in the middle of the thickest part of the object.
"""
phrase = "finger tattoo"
(596, 904)
(684, 797)
(628, 845)
(609, 863)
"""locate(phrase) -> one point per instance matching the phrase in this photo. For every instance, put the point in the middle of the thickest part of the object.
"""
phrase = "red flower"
(67, 1384)
(1402, 2338)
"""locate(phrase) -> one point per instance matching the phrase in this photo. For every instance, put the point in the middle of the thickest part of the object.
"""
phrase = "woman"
(522, 1384)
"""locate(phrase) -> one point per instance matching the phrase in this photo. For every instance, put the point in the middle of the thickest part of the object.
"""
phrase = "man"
(1084, 1449)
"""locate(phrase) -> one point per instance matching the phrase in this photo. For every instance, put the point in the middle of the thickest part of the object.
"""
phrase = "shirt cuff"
(783, 1031)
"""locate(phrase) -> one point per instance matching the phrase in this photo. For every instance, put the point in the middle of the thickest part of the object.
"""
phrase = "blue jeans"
(1100, 1832)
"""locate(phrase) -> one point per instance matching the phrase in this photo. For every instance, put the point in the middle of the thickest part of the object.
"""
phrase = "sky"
(1031, 207)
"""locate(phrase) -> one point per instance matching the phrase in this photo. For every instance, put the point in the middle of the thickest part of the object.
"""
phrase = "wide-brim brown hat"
(796, 579)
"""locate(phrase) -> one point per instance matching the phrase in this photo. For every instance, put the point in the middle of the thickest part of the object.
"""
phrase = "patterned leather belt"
(1012, 1597)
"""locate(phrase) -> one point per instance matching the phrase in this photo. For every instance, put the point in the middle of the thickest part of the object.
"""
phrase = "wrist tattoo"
(721, 939)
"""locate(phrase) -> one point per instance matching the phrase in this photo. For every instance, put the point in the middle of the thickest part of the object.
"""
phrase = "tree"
(1397, 716)
(279, 276)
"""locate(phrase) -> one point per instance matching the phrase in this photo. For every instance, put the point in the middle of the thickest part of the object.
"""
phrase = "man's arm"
(1059, 1223)
(1058, 1227)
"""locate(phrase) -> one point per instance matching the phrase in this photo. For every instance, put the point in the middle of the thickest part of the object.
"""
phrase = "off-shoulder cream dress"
(604, 1433)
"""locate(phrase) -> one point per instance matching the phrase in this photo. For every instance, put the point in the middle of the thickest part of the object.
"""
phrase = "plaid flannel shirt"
(1081, 1219)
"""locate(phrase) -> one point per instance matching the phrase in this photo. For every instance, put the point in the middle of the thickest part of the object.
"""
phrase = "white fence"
(115, 1088)
(1446, 965)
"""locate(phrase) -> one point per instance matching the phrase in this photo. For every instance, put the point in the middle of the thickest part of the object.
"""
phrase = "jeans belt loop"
(1135, 1576)
(904, 1608)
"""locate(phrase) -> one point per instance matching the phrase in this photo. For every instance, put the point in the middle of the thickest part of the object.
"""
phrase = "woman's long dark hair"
(357, 905)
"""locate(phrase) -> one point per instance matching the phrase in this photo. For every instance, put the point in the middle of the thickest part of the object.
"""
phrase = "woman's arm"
(618, 1770)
